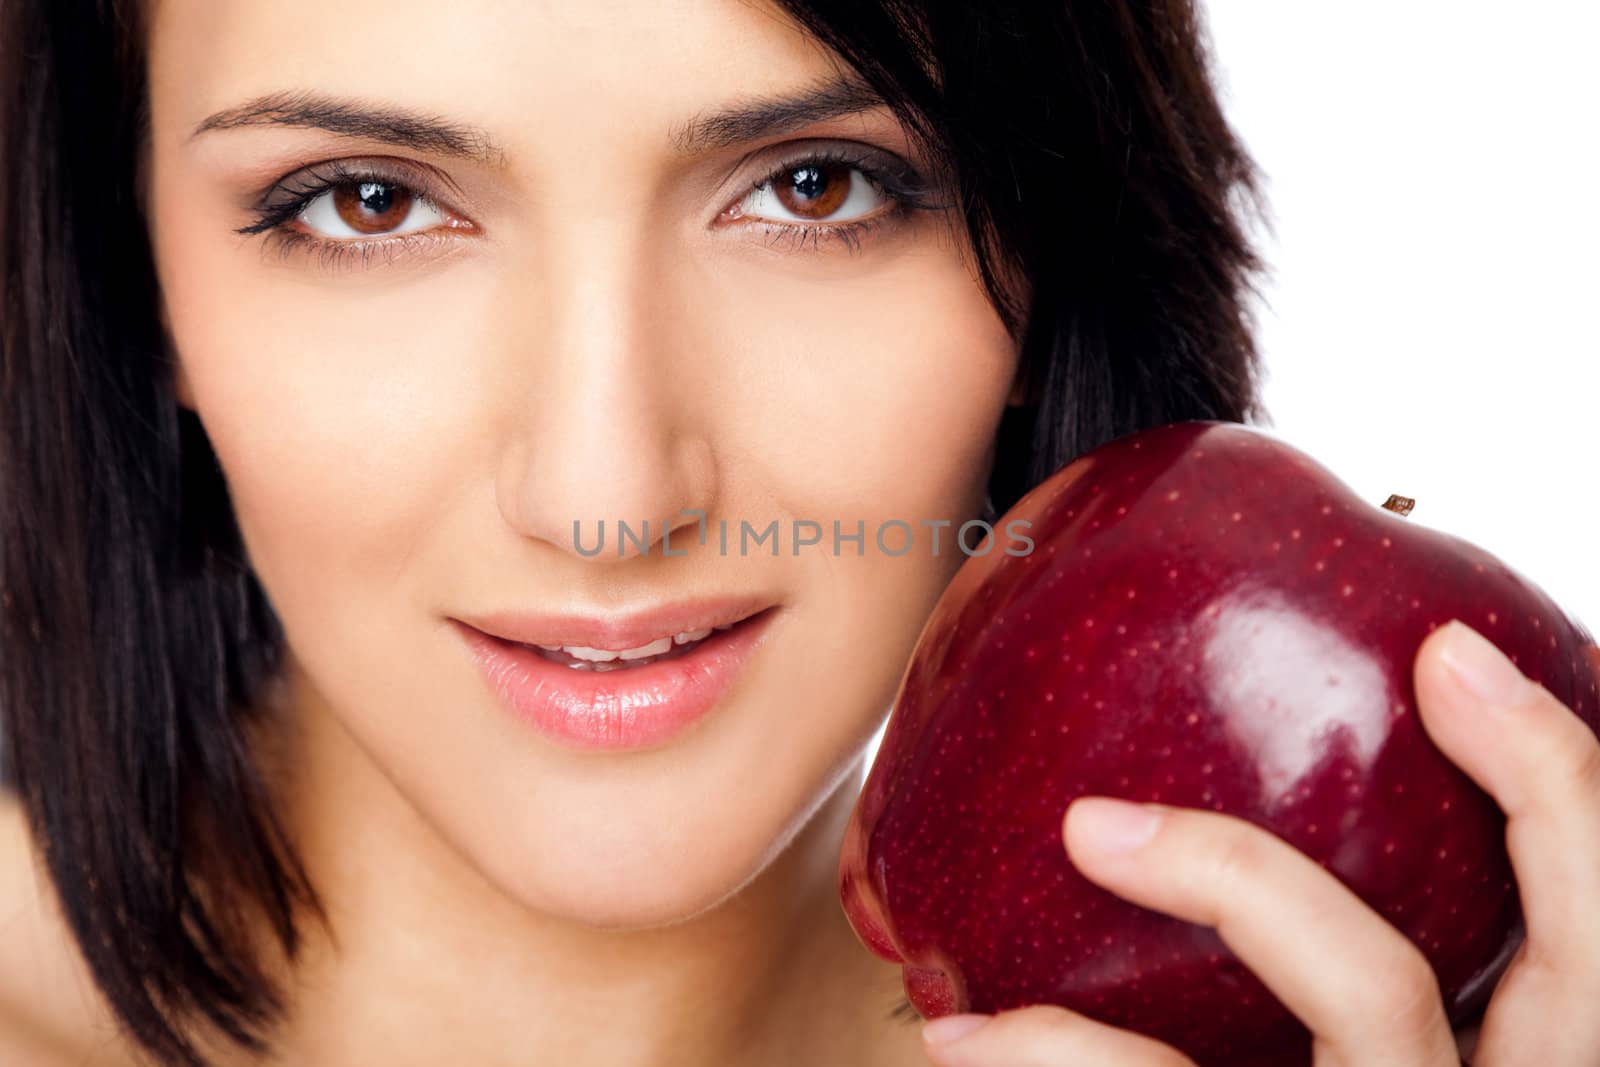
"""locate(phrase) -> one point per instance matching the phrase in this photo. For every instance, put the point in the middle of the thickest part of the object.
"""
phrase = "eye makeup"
(364, 193)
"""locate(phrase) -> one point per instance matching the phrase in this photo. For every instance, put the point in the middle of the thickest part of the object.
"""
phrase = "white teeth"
(604, 655)
(654, 648)
(593, 655)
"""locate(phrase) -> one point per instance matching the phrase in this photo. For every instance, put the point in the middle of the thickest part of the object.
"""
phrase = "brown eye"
(371, 207)
(815, 191)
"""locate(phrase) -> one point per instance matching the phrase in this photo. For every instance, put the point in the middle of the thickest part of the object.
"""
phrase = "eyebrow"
(840, 95)
(398, 126)
(420, 131)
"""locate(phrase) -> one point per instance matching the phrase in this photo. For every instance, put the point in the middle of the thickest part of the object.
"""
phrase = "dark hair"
(1091, 155)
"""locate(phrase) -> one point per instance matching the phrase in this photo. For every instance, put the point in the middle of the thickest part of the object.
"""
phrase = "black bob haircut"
(1090, 151)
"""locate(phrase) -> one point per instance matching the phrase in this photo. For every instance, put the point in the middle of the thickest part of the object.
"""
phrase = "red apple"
(1207, 618)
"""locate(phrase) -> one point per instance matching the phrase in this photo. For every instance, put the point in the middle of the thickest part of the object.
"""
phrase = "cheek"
(338, 422)
(882, 397)
(882, 390)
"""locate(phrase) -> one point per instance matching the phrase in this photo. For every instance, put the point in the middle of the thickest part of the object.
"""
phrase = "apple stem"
(1400, 505)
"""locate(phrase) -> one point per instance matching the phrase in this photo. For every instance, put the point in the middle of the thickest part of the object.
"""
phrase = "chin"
(679, 879)
(614, 871)
(624, 896)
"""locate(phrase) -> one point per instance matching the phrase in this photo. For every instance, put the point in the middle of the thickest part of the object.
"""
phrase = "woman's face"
(555, 316)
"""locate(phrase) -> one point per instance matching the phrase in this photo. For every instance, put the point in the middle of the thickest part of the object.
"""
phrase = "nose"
(607, 427)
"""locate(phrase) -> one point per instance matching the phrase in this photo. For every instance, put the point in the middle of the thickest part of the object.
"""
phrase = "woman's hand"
(1364, 990)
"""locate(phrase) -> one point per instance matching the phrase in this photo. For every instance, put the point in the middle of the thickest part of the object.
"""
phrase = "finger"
(1367, 994)
(1541, 763)
(1047, 1036)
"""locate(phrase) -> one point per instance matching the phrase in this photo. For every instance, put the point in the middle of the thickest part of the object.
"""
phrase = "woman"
(332, 333)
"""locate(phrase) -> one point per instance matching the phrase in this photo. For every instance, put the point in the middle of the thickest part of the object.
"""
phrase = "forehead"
(529, 71)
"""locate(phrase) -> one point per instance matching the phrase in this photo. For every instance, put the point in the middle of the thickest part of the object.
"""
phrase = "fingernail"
(1480, 667)
(944, 1031)
(1111, 825)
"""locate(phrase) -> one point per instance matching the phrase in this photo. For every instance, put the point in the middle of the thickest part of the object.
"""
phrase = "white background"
(1428, 324)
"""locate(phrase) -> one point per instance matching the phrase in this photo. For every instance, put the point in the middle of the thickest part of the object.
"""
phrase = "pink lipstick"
(595, 683)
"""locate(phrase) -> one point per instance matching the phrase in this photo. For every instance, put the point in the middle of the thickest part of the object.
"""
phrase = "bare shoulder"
(50, 1011)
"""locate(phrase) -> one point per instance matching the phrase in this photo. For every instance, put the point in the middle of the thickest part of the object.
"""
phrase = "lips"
(639, 705)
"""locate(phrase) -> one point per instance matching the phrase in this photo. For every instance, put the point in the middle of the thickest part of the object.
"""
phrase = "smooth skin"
(582, 329)
(1365, 991)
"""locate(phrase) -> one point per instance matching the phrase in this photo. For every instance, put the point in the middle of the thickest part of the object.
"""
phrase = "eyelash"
(906, 188)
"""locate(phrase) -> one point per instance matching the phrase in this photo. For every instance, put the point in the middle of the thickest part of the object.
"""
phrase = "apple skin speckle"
(960, 816)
